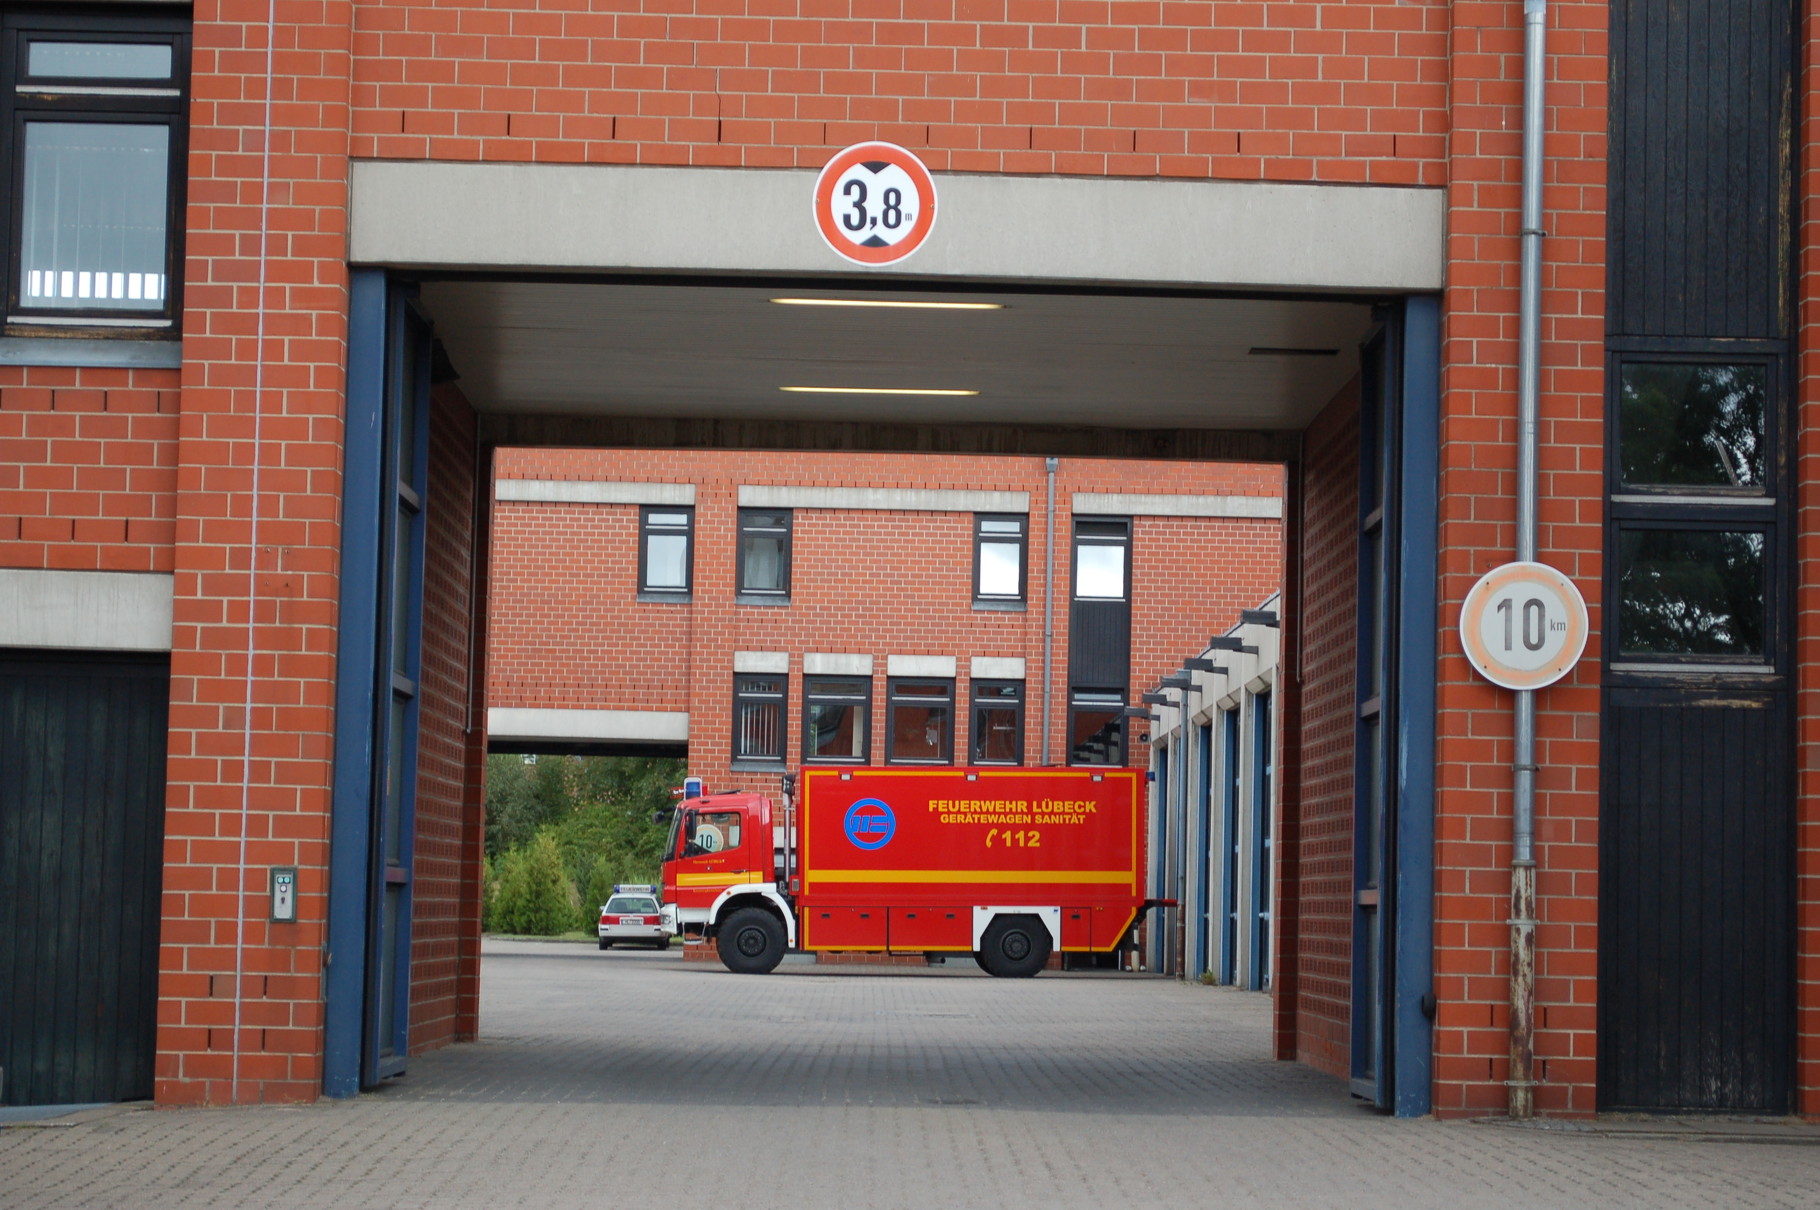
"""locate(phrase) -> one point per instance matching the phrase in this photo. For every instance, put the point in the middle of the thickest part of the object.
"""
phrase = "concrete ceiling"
(618, 349)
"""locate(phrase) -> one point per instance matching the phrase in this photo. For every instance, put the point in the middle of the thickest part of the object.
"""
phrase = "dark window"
(836, 711)
(764, 553)
(93, 112)
(758, 718)
(921, 731)
(1692, 592)
(1096, 727)
(1102, 549)
(1694, 510)
(1691, 425)
(998, 557)
(665, 550)
(998, 723)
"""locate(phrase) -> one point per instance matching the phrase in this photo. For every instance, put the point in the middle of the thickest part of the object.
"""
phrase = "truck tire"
(751, 942)
(1014, 947)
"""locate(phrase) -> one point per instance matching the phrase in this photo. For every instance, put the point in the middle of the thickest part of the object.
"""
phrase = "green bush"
(531, 893)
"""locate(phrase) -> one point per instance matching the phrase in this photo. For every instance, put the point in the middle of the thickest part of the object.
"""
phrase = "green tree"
(531, 892)
(606, 818)
(523, 797)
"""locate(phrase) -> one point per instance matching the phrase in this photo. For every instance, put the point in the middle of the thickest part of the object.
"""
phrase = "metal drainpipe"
(1049, 465)
(1521, 1084)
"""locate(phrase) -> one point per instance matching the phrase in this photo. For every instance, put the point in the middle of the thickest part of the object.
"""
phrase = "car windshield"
(631, 903)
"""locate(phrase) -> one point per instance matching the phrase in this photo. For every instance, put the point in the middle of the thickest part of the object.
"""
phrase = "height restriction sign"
(1523, 625)
(875, 203)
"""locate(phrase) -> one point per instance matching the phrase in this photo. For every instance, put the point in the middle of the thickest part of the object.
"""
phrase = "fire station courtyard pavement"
(638, 1080)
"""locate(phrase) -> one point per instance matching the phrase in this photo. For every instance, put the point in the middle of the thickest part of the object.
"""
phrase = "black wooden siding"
(1696, 826)
(82, 747)
(1696, 839)
(1099, 644)
(1699, 168)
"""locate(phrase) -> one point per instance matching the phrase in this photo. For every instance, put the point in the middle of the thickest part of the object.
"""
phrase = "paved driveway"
(632, 1079)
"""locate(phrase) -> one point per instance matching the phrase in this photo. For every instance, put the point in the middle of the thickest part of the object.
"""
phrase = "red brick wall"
(1477, 516)
(1328, 587)
(256, 573)
(1807, 600)
(88, 468)
(567, 631)
(1246, 89)
(445, 885)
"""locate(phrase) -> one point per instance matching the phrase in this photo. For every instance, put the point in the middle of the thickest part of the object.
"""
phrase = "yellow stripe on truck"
(721, 879)
(1105, 877)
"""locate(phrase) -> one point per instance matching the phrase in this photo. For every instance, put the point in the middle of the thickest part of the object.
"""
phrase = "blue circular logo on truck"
(870, 824)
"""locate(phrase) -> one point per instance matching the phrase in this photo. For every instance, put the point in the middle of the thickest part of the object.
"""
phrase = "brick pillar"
(259, 476)
(1807, 571)
(1477, 528)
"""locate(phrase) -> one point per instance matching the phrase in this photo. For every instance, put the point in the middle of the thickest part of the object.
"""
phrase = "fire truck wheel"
(1014, 947)
(751, 942)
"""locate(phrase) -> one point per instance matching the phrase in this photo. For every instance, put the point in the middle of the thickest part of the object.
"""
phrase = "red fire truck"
(1009, 865)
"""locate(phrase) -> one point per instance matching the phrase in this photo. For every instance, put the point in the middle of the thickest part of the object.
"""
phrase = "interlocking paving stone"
(628, 1078)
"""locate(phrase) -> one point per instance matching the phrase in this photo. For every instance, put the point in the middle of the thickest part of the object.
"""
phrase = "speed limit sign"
(875, 203)
(1523, 625)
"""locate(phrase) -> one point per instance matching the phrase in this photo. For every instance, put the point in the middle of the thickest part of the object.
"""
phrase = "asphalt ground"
(633, 1079)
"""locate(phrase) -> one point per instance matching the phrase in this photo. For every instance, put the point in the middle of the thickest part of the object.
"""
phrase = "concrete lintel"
(1006, 227)
(761, 661)
(816, 663)
(579, 491)
(83, 351)
(997, 667)
(920, 665)
(1142, 504)
(1017, 440)
(621, 726)
(883, 499)
(86, 610)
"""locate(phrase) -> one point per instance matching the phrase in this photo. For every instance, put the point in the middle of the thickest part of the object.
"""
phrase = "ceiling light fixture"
(874, 391)
(889, 302)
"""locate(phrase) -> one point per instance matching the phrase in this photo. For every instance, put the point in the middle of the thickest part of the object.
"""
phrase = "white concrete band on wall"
(997, 667)
(761, 661)
(817, 663)
(919, 665)
(884, 499)
(611, 726)
(1002, 226)
(1142, 504)
(86, 610)
(579, 491)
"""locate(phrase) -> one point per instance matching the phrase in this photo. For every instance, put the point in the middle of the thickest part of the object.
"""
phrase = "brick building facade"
(882, 579)
(248, 452)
